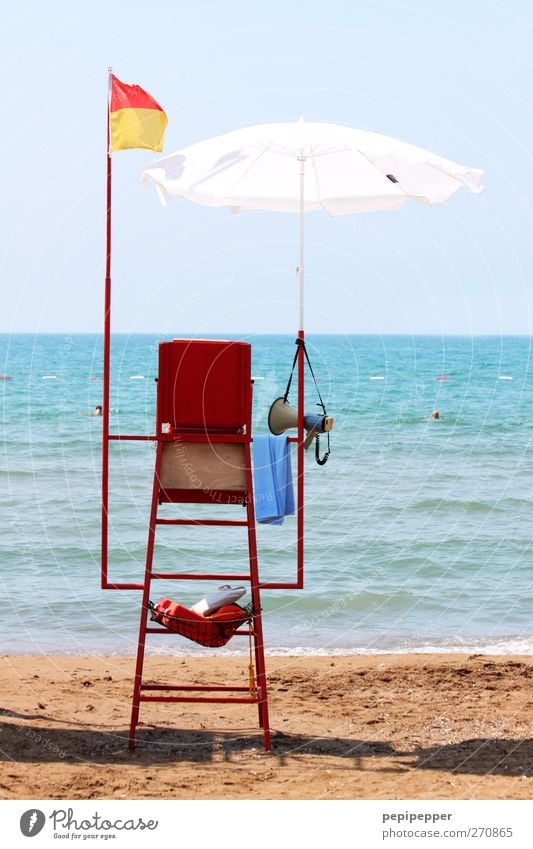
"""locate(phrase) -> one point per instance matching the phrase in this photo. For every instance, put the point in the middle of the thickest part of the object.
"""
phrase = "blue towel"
(274, 496)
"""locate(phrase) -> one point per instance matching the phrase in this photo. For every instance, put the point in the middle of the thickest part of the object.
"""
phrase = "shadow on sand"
(27, 742)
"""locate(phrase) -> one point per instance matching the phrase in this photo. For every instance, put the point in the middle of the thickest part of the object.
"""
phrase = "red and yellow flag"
(136, 120)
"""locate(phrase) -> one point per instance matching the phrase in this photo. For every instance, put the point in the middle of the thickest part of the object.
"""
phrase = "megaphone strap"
(295, 360)
(300, 343)
(313, 376)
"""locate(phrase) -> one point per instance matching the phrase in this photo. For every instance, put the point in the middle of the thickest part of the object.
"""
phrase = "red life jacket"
(214, 630)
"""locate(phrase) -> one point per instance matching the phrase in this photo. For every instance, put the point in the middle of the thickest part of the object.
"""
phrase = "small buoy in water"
(505, 377)
(137, 377)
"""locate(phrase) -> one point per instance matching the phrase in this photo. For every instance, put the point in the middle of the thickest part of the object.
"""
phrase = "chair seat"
(204, 473)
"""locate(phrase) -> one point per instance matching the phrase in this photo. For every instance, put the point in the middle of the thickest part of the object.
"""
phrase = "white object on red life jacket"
(224, 595)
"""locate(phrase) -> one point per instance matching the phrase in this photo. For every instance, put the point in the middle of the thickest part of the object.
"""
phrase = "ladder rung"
(189, 687)
(167, 631)
(216, 522)
(185, 576)
(135, 437)
(219, 700)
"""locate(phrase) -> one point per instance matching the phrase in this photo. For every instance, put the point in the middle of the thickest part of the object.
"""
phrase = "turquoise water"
(418, 532)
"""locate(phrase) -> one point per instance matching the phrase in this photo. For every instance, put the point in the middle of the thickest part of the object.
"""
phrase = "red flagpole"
(107, 358)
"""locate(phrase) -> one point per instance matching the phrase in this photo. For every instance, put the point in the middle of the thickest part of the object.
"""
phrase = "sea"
(418, 531)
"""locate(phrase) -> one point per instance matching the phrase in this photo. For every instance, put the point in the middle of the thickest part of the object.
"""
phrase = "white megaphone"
(282, 416)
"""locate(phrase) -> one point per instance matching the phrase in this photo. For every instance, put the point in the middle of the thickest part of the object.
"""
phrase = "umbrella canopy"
(304, 166)
(346, 170)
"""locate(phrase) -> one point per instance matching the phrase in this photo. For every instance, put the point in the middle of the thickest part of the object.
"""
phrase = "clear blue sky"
(453, 77)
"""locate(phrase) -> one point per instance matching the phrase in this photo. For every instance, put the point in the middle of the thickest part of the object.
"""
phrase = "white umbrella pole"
(301, 392)
(301, 160)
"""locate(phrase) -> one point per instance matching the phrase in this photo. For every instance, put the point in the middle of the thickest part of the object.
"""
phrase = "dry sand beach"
(381, 727)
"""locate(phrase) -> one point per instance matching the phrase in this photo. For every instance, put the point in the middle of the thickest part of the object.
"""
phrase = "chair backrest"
(204, 385)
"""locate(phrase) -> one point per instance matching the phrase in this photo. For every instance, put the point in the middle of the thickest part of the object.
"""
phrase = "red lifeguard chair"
(203, 456)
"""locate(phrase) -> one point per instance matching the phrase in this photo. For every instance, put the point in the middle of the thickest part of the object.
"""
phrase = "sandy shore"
(389, 726)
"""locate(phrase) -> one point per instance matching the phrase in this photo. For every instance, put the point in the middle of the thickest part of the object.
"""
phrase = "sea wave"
(513, 645)
(485, 646)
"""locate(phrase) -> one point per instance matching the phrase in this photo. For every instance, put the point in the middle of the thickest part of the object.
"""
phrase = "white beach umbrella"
(300, 167)
(305, 166)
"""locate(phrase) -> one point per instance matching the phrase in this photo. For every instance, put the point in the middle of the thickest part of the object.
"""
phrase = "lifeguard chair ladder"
(203, 456)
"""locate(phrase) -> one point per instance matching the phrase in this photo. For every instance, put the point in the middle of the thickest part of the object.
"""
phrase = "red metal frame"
(299, 440)
(107, 437)
(188, 437)
(300, 467)
(258, 696)
(107, 365)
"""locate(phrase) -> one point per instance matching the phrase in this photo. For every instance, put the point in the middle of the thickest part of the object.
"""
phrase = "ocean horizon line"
(239, 333)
